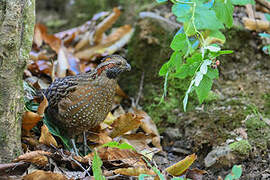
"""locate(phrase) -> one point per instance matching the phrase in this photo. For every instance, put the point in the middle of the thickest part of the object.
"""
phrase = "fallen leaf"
(30, 120)
(37, 39)
(44, 175)
(109, 119)
(42, 106)
(196, 174)
(125, 123)
(149, 127)
(139, 141)
(36, 157)
(40, 67)
(134, 171)
(100, 138)
(62, 63)
(46, 137)
(180, 167)
(106, 24)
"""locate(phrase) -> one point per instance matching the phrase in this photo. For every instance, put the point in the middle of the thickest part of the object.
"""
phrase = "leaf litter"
(123, 145)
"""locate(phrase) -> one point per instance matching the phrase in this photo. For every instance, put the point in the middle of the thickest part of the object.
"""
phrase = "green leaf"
(182, 72)
(267, 16)
(175, 60)
(96, 167)
(182, 11)
(243, 2)
(224, 12)
(206, 19)
(161, 1)
(237, 171)
(215, 36)
(212, 73)
(179, 42)
(115, 144)
(203, 89)
(164, 69)
(229, 177)
(196, 57)
(193, 67)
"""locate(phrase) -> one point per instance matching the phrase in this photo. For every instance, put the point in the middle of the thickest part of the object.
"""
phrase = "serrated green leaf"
(96, 167)
(206, 19)
(179, 43)
(224, 12)
(243, 2)
(237, 171)
(212, 73)
(203, 89)
(161, 1)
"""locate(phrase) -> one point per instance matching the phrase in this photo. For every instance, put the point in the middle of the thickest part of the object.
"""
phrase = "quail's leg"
(84, 143)
(74, 147)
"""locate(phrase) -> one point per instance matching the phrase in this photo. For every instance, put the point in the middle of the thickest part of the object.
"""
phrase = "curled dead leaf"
(46, 137)
(124, 123)
(106, 24)
(179, 168)
(149, 127)
(42, 106)
(36, 157)
(134, 171)
(30, 120)
(43, 175)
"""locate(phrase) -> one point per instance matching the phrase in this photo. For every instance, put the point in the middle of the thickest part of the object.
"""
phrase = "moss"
(258, 132)
(242, 147)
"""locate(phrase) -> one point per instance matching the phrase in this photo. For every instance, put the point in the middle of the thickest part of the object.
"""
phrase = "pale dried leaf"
(46, 137)
(36, 157)
(134, 171)
(44, 175)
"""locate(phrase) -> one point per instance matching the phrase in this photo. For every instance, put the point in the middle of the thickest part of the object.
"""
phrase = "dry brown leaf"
(46, 137)
(42, 106)
(139, 141)
(100, 138)
(125, 123)
(149, 127)
(179, 168)
(44, 175)
(50, 39)
(30, 120)
(36, 157)
(42, 55)
(109, 47)
(106, 24)
(195, 174)
(62, 63)
(127, 156)
(38, 40)
(40, 67)
(134, 171)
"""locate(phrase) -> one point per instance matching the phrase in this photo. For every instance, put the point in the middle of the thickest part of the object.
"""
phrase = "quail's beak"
(128, 67)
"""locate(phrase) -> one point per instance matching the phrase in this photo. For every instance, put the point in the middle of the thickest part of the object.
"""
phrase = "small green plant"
(197, 45)
(235, 174)
(96, 167)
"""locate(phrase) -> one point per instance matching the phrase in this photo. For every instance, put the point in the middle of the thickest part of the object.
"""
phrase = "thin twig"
(140, 90)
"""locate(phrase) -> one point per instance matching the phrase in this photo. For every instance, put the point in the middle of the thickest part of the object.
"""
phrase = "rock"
(173, 133)
(220, 152)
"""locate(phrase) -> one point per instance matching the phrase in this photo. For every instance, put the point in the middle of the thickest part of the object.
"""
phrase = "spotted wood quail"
(79, 103)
